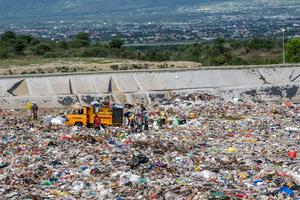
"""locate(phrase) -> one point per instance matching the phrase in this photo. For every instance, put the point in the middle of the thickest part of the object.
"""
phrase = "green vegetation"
(293, 50)
(116, 43)
(208, 53)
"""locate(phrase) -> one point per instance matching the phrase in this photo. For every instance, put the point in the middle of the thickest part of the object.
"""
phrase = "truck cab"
(80, 116)
(85, 116)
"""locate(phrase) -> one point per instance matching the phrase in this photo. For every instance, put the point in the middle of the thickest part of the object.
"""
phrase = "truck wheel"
(78, 124)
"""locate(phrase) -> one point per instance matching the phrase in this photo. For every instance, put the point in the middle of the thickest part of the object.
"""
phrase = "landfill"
(206, 149)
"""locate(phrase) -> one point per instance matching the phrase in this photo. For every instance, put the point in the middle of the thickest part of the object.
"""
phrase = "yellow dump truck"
(85, 116)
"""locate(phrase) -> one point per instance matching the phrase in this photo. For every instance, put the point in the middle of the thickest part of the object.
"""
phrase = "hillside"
(32, 10)
(15, 9)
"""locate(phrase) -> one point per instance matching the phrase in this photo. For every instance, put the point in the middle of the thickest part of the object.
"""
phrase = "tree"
(259, 43)
(3, 54)
(82, 36)
(34, 42)
(223, 59)
(98, 43)
(27, 39)
(8, 35)
(235, 44)
(116, 42)
(218, 48)
(19, 47)
(41, 48)
(80, 40)
(62, 44)
(293, 50)
(95, 52)
(219, 41)
(79, 43)
(129, 54)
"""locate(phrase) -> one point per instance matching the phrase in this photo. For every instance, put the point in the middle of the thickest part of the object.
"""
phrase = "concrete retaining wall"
(268, 82)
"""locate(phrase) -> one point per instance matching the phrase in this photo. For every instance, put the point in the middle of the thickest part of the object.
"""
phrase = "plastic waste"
(129, 178)
(65, 137)
(231, 150)
(258, 182)
(219, 195)
(287, 190)
(46, 183)
(3, 165)
(175, 122)
(207, 174)
(58, 121)
(78, 185)
(137, 160)
(292, 154)
(294, 175)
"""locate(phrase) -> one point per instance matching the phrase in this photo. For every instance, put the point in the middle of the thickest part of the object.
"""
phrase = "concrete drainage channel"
(61, 90)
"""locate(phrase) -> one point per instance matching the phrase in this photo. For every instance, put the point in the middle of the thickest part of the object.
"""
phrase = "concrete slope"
(268, 82)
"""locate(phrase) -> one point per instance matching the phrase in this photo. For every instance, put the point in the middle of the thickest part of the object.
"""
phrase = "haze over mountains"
(133, 10)
(45, 9)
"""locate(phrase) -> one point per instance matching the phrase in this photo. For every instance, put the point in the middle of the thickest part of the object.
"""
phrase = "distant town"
(239, 21)
(136, 33)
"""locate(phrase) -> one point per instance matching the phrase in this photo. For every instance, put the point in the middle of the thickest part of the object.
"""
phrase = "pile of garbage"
(205, 149)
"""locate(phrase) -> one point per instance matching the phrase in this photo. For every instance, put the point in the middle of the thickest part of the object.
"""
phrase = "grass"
(14, 62)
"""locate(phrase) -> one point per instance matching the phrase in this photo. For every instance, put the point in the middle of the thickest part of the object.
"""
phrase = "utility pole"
(283, 44)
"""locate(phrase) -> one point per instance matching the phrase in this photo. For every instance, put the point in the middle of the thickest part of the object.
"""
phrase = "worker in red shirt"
(97, 122)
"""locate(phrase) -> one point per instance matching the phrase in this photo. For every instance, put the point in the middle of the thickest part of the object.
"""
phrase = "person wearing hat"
(34, 109)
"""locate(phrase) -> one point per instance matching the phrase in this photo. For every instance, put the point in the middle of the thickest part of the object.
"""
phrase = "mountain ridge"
(140, 10)
(14, 9)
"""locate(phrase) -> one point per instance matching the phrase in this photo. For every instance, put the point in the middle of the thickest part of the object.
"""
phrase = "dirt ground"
(90, 65)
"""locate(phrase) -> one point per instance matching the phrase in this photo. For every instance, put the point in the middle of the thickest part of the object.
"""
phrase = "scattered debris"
(190, 147)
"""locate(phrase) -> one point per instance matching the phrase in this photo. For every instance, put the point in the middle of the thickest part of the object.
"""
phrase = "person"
(146, 122)
(143, 108)
(29, 109)
(96, 105)
(97, 122)
(126, 118)
(163, 117)
(183, 119)
(132, 120)
(139, 122)
(34, 109)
